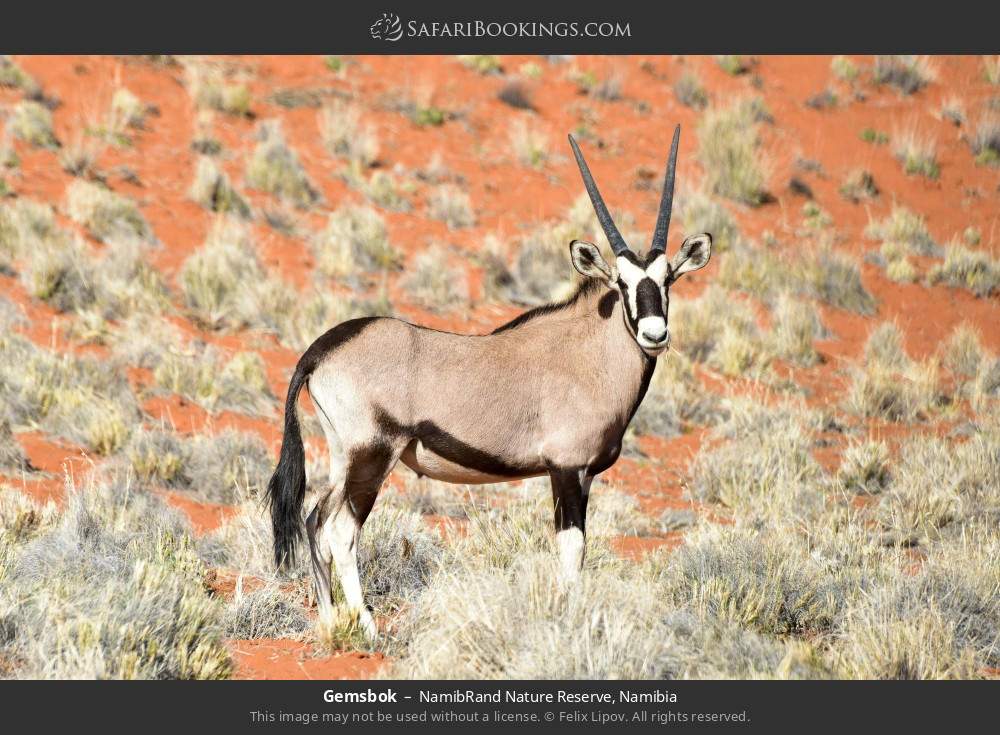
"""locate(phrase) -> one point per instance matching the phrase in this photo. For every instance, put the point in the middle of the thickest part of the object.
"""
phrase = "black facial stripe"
(648, 299)
(630, 318)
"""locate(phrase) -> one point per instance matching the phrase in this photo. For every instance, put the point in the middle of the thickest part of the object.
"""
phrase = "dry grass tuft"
(917, 153)
(890, 385)
(973, 270)
(908, 74)
(729, 149)
(529, 143)
(32, 122)
(452, 206)
(111, 590)
(106, 214)
(212, 189)
(355, 238)
(274, 167)
(346, 136)
(434, 283)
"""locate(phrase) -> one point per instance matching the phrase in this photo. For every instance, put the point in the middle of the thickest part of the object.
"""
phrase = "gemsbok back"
(551, 392)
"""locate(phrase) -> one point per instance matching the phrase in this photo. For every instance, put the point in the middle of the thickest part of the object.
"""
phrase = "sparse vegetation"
(908, 74)
(858, 185)
(345, 135)
(530, 144)
(212, 189)
(689, 91)
(973, 270)
(435, 284)
(451, 205)
(106, 214)
(210, 89)
(32, 122)
(985, 141)
(916, 153)
(110, 589)
(728, 148)
(890, 385)
(355, 238)
(904, 228)
(274, 167)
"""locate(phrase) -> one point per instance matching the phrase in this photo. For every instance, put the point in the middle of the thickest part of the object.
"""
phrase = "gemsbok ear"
(694, 254)
(588, 261)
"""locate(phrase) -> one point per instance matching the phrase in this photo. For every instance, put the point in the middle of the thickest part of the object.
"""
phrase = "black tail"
(287, 487)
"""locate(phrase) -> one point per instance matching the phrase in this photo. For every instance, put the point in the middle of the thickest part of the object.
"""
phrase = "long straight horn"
(667, 200)
(615, 238)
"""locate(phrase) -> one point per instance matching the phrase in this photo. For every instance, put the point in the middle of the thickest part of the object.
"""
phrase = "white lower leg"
(572, 546)
(343, 536)
(320, 552)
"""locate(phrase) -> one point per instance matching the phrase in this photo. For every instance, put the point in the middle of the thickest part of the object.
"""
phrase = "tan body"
(555, 391)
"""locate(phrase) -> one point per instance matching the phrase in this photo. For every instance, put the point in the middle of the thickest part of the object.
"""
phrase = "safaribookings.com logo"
(390, 28)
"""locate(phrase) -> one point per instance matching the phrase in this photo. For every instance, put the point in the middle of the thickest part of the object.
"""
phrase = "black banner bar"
(522, 706)
(514, 26)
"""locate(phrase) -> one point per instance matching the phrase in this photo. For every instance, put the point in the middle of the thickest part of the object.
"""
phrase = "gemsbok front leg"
(570, 489)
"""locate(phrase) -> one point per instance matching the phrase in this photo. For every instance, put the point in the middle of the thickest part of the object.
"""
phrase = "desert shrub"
(434, 283)
(906, 228)
(32, 122)
(210, 89)
(821, 273)
(267, 612)
(939, 486)
(796, 324)
(985, 140)
(213, 277)
(346, 136)
(890, 385)
(973, 270)
(12, 75)
(962, 353)
(767, 469)
(728, 148)
(355, 238)
(701, 213)
(482, 63)
(112, 590)
(908, 74)
(128, 108)
(690, 92)
(274, 167)
(12, 458)
(675, 399)
(451, 205)
(765, 582)
(722, 333)
(844, 69)
(216, 383)
(529, 143)
(217, 468)
(859, 184)
(212, 189)
(77, 398)
(916, 153)
(104, 213)
(864, 467)
(733, 64)
(515, 94)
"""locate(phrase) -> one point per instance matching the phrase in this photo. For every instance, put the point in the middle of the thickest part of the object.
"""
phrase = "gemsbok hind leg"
(570, 490)
(367, 469)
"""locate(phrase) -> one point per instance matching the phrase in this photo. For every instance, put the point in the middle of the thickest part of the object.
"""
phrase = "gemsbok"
(550, 392)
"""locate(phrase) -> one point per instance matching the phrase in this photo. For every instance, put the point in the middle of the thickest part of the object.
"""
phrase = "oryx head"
(641, 281)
